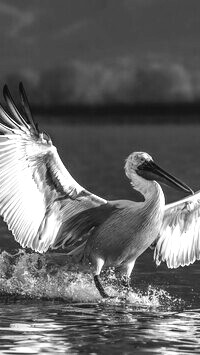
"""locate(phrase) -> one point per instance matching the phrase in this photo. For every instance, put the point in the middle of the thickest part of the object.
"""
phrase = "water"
(49, 304)
(52, 307)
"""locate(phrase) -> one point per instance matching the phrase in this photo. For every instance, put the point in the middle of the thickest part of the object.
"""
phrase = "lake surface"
(49, 305)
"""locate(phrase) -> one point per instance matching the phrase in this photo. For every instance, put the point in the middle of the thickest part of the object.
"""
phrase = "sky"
(40, 34)
(44, 33)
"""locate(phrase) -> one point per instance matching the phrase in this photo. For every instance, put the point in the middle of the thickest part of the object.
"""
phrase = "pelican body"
(45, 208)
(123, 230)
(128, 232)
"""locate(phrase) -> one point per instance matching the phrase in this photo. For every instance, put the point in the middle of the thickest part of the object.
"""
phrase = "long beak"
(152, 171)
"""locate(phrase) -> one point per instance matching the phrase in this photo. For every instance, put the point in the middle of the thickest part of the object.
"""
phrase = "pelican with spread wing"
(45, 208)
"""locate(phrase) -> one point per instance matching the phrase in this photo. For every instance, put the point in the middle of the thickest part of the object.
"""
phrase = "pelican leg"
(99, 264)
(100, 287)
(126, 278)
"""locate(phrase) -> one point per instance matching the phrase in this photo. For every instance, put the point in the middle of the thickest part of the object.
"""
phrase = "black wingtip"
(26, 107)
(21, 89)
(28, 117)
(6, 92)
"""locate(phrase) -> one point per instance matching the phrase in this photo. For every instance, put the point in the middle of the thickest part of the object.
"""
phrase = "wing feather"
(14, 111)
(37, 193)
(178, 243)
(27, 109)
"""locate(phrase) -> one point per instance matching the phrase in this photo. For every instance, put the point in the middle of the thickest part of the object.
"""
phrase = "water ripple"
(49, 307)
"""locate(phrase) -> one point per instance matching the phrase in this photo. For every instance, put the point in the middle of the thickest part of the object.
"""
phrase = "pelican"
(45, 208)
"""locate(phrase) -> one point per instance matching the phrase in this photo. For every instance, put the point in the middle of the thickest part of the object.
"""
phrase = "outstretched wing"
(179, 241)
(37, 193)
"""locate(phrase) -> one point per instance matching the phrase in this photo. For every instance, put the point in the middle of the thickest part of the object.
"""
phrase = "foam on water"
(26, 275)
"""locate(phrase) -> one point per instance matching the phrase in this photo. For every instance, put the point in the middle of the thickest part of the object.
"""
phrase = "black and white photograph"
(100, 177)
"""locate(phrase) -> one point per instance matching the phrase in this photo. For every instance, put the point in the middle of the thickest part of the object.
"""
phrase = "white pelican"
(45, 208)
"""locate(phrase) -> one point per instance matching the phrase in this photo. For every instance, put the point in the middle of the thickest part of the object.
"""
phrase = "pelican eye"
(145, 165)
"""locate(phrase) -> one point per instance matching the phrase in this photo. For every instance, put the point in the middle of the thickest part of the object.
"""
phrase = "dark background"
(128, 55)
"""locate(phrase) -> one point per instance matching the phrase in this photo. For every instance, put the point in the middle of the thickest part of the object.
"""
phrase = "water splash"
(35, 276)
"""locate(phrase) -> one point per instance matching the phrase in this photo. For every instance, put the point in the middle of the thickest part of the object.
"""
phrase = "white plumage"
(179, 240)
(35, 186)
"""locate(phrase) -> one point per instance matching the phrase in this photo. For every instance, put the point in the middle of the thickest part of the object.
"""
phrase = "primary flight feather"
(45, 208)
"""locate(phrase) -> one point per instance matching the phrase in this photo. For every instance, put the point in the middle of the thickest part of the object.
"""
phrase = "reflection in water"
(96, 328)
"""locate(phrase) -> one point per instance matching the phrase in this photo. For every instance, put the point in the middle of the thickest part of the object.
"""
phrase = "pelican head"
(142, 164)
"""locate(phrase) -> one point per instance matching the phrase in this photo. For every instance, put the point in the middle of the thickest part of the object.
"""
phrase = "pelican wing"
(37, 193)
(178, 243)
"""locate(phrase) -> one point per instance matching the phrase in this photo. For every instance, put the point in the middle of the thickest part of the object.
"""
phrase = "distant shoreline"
(122, 113)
